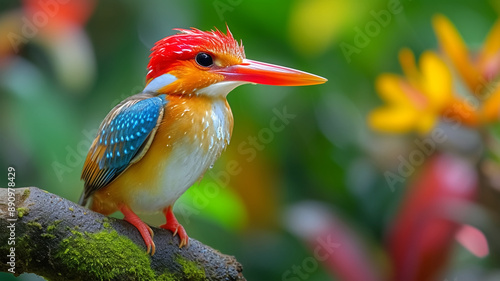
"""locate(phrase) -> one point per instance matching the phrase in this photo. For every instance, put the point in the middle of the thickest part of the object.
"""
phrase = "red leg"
(145, 231)
(174, 226)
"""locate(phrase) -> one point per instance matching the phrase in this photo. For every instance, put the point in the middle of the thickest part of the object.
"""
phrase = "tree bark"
(61, 240)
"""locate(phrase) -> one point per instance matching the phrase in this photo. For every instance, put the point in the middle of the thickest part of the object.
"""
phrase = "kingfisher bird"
(154, 145)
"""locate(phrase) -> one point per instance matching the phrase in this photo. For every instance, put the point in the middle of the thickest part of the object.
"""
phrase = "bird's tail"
(83, 199)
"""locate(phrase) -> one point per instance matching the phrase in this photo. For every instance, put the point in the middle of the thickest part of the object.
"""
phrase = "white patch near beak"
(220, 89)
(159, 82)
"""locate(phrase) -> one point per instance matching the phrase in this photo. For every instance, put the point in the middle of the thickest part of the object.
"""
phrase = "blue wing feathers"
(123, 136)
(127, 131)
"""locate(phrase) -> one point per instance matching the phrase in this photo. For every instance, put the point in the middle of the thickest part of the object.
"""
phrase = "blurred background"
(371, 176)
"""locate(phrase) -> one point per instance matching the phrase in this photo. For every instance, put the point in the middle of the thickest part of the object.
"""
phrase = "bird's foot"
(174, 226)
(144, 229)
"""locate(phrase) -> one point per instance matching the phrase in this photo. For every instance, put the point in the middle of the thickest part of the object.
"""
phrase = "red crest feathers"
(186, 44)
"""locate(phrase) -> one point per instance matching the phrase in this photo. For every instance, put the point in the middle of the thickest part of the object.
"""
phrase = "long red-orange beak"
(268, 74)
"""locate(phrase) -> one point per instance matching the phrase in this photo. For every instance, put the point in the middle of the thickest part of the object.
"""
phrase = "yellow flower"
(415, 102)
(491, 107)
(476, 73)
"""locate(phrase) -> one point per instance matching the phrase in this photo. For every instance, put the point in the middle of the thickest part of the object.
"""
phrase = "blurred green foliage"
(322, 154)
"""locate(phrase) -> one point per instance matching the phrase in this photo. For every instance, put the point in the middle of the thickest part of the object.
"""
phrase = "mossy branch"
(60, 240)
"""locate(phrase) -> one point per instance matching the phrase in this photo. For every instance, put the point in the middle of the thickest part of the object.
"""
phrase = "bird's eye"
(204, 59)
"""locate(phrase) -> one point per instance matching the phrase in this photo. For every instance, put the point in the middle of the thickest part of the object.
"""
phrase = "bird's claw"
(174, 226)
(144, 229)
(177, 229)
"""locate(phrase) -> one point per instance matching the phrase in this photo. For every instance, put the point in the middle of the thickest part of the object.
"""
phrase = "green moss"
(35, 224)
(105, 223)
(105, 255)
(48, 235)
(168, 277)
(190, 269)
(51, 227)
(26, 193)
(21, 211)
(24, 246)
